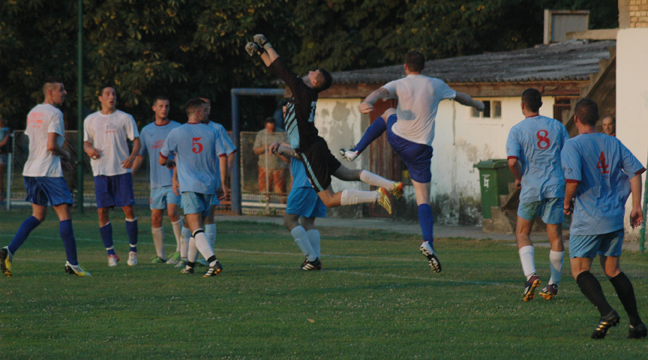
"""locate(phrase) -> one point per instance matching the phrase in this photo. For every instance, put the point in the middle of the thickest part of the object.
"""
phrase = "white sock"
(301, 238)
(314, 239)
(177, 230)
(193, 250)
(202, 244)
(184, 242)
(353, 197)
(556, 259)
(158, 240)
(528, 263)
(370, 178)
(210, 232)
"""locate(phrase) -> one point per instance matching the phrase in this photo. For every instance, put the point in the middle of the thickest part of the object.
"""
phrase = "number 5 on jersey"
(196, 146)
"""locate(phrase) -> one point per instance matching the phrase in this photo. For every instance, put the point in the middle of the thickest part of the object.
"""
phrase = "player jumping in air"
(162, 196)
(600, 172)
(105, 135)
(43, 176)
(312, 150)
(410, 131)
(196, 147)
(533, 149)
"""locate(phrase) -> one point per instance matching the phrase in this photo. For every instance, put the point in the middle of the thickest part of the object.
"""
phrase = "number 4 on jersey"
(601, 164)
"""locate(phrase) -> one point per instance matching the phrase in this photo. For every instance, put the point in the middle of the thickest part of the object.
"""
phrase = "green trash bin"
(494, 177)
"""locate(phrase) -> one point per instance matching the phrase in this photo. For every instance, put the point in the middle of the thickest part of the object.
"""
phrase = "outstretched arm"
(367, 105)
(466, 100)
(283, 149)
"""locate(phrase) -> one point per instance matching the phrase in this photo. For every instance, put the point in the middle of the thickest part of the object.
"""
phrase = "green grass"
(375, 299)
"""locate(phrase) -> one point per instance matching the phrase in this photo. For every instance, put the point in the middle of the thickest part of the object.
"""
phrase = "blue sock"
(67, 234)
(23, 231)
(373, 132)
(132, 230)
(107, 237)
(427, 222)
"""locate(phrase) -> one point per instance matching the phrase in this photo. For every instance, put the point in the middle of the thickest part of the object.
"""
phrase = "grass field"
(375, 299)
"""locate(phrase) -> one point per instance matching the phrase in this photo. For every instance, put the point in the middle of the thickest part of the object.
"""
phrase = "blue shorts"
(417, 157)
(305, 202)
(162, 196)
(196, 203)
(587, 246)
(551, 210)
(215, 201)
(47, 191)
(112, 191)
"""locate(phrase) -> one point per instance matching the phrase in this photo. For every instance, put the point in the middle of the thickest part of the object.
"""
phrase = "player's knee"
(389, 112)
(290, 222)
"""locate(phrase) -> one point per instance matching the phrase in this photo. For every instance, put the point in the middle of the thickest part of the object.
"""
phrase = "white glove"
(261, 40)
(253, 49)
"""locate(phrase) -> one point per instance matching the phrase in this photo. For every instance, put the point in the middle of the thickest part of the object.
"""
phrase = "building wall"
(638, 13)
(632, 98)
(460, 142)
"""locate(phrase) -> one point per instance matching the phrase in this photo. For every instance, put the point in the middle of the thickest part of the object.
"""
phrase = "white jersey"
(108, 134)
(42, 120)
(418, 101)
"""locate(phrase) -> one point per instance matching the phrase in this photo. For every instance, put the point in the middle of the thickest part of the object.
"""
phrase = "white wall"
(632, 97)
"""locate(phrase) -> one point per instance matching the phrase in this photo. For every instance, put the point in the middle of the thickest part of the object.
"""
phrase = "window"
(492, 109)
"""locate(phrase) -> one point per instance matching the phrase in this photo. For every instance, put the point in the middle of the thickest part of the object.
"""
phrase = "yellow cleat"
(75, 270)
(383, 200)
(5, 261)
(398, 190)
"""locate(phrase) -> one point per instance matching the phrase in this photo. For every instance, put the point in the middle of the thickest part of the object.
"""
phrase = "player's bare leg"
(526, 251)
(556, 260)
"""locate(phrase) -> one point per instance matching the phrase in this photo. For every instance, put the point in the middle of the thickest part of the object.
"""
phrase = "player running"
(303, 207)
(162, 196)
(600, 172)
(196, 147)
(311, 148)
(105, 135)
(43, 176)
(410, 131)
(533, 150)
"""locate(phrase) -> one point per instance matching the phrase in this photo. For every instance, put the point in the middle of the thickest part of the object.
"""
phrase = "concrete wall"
(461, 141)
(632, 97)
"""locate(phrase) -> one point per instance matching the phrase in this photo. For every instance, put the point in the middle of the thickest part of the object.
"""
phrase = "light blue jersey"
(603, 166)
(536, 142)
(300, 180)
(228, 146)
(197, 148)
(152, 138)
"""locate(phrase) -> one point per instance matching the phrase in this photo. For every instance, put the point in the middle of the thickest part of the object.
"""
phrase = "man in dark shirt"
(312, 150)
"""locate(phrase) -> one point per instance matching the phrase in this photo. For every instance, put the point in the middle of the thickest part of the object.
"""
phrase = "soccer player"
(196, 147)
(609, 125)
(162, 196)
(410, 131)
(43, 176)
(105, 141)
(533, 150)
(600, 172)
(313, 151)
(303, 207)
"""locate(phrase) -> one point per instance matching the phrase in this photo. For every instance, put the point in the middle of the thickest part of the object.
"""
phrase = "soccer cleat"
(348, 154)
(202, 262)
(397, 191)
(187, 270)
(213, 270)
(428, 251)
(75, 270)
(182, 263)
(173, 258)
(383, 200)
(312, 265)
(112, 260)
(158, 260)
(132, 258)
(606, 322)
(529, 288)
(549, 291)
(6, 257)
(638, 332)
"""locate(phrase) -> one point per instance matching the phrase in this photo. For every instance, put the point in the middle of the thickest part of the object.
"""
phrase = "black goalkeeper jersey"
(299, 122)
